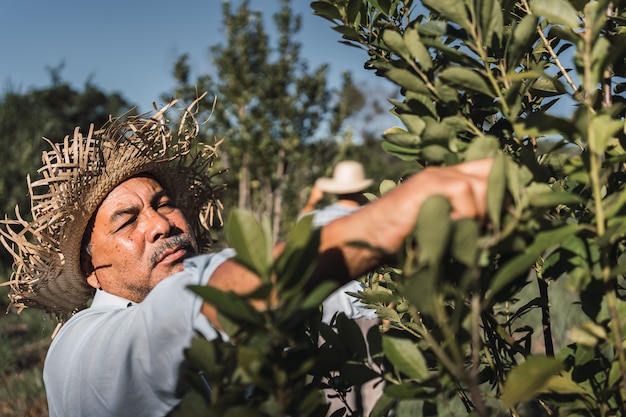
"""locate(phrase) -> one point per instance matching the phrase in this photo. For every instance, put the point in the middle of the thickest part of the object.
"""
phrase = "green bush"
(524, 315)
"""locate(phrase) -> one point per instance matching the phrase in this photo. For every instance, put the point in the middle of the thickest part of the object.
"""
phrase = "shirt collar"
(103, 298)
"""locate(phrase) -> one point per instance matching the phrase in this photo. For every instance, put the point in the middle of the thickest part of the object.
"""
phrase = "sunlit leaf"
(414, 123)
(251, 240)
(526, 380)
(566, 386)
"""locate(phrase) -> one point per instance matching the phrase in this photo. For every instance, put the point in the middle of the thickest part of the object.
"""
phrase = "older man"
(118, 220)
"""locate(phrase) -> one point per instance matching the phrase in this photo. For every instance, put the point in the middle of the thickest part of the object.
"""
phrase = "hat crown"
(348, 172)
(348, 177)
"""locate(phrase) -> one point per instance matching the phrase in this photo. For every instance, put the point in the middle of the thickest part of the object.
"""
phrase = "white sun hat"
(348, 177)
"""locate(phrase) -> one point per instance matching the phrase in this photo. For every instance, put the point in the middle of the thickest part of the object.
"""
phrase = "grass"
(24, 341)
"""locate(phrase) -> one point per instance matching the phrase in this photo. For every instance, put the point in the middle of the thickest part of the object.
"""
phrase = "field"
(24, 340)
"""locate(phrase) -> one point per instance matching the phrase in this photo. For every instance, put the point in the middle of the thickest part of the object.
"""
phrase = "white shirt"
(117, 358)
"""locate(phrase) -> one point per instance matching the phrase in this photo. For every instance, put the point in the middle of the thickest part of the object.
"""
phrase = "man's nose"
(159, 226)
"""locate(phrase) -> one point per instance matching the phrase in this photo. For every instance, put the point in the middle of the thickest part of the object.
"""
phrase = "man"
(346, 185)
(118, 216)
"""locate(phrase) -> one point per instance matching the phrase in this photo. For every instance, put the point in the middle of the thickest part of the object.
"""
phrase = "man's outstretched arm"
(383, 224)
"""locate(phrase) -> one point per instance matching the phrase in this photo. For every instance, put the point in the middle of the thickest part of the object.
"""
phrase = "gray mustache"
(173, 242)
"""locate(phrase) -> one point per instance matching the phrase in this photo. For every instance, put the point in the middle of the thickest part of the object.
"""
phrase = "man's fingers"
(479, 168)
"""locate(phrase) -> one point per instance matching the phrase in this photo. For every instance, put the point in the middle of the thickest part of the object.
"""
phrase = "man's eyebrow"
(117, 214)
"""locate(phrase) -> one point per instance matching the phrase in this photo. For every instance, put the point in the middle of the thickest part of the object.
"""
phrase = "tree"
(537, 86)
(270, 109)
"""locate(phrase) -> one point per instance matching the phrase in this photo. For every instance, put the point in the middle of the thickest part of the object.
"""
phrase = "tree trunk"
(278, 195)
(244, 182)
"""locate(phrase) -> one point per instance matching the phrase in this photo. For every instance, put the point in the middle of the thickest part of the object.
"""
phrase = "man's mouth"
(173, 250)
(172, 255)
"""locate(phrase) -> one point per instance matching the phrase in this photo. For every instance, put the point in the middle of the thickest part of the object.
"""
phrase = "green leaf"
(542, 195)
(252, 242)
(433, 229)
(496, 187)
(558, 12)
(417, 49)
(540, 124)
(297, 261)
(352, 337)
(482, 147)
(402, 152)
(491, 21)
(413, 122)
(452, 10)
(406, 357)
(547, 87)
(602, 129)
(386, 186)
(467, 79)
(383, 405)
(527, 380)
(524, 34)
(407, 79)
(417, 102)
(564, 385)
(395, 41)
(326, 10)
(464, 245)
(521, 263)
(231, 305)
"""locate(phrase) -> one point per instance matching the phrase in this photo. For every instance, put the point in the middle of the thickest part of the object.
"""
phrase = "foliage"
(277, 116)
(535, 85)
(264, 366)
(493, 78)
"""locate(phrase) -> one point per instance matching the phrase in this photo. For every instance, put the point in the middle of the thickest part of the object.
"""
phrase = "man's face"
(139, 237)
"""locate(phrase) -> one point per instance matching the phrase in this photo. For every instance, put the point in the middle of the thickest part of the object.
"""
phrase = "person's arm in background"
(383, 224)
(315, 197)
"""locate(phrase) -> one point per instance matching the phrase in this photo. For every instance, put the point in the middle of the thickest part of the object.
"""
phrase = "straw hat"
(77, 174)
(348, 177)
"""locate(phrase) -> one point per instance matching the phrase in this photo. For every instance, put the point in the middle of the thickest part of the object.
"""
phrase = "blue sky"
(130, 46)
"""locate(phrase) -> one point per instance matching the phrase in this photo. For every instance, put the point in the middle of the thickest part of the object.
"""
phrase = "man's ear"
(87, 266)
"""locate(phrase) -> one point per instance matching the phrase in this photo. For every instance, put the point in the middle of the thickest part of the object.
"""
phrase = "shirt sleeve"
(126, 361)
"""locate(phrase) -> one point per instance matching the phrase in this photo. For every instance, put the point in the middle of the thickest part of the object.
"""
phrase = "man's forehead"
(132, 188)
